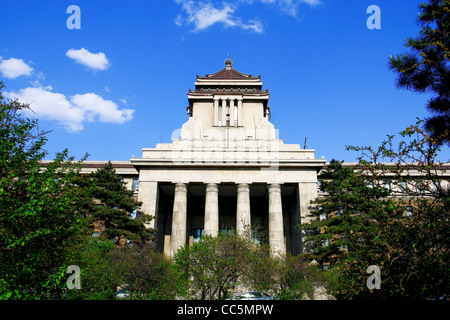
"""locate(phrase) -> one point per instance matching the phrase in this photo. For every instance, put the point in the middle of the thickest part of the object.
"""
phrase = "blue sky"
(119, 83)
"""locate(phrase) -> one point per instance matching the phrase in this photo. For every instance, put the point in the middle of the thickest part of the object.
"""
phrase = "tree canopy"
(390, 211)
(426, 68)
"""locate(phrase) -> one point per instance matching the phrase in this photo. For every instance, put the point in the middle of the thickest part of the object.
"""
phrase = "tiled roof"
(228, 73)
(203, 91)
(98, 164)
(102, 164)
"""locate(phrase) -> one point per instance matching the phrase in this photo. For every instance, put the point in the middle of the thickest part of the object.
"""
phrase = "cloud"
(203, 15)
(96, 61)
(70, 113)
(291, 6)
(94, 106)
(13, 68)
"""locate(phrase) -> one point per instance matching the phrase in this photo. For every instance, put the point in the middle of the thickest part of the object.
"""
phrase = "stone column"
(276, 232)
(216, 112)
(224, 112)
(179, 218)
(239, 113)
(220, 112)
(243, 216)
(212, 210)
(232, 112)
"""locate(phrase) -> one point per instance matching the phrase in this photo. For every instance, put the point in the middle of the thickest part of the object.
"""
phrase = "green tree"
(391, 211)
(113, 206)
(145, 274)
(345, 213)
(426, 68)
(416, 260)
(216, 266)
(38, 208)
(98, 277)
(297, 278)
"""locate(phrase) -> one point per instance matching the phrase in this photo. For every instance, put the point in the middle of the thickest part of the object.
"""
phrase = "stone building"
(227, 169)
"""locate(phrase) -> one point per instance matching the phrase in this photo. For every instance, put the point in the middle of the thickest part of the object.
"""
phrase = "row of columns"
(235, 112)
(243, 215)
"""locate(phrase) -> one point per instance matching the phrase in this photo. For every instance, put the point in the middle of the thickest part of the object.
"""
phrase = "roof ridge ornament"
(228, 63)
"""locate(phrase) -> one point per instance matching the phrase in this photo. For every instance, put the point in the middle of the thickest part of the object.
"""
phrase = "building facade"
(227, 169)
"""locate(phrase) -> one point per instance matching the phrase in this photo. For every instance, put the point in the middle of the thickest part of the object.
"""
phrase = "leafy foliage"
(113, 206)
(426, 68)
(145, 274)
(393, 214)
(38, 212)
(218, 265)
(298, 279)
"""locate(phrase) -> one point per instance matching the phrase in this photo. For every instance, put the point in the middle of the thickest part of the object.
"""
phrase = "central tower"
(228, 107)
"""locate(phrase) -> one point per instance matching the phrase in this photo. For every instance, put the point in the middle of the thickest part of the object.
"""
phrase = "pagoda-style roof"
(228, 81)
(230, 90)
(228, 73)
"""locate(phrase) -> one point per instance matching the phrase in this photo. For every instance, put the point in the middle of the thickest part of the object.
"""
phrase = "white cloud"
(107, 111)
(291, 6)
(70, 113)
(13, 68)
(96, 61)
(203, 15)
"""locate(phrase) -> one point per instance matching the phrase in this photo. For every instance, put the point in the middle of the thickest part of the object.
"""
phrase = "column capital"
(274, 187)
(181, 186)
(243, 187)
(212, 187)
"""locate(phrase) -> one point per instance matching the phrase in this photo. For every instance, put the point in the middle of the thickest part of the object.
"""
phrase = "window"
(198, 234)
(256, 237)
(135, 185)
(227, 230)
